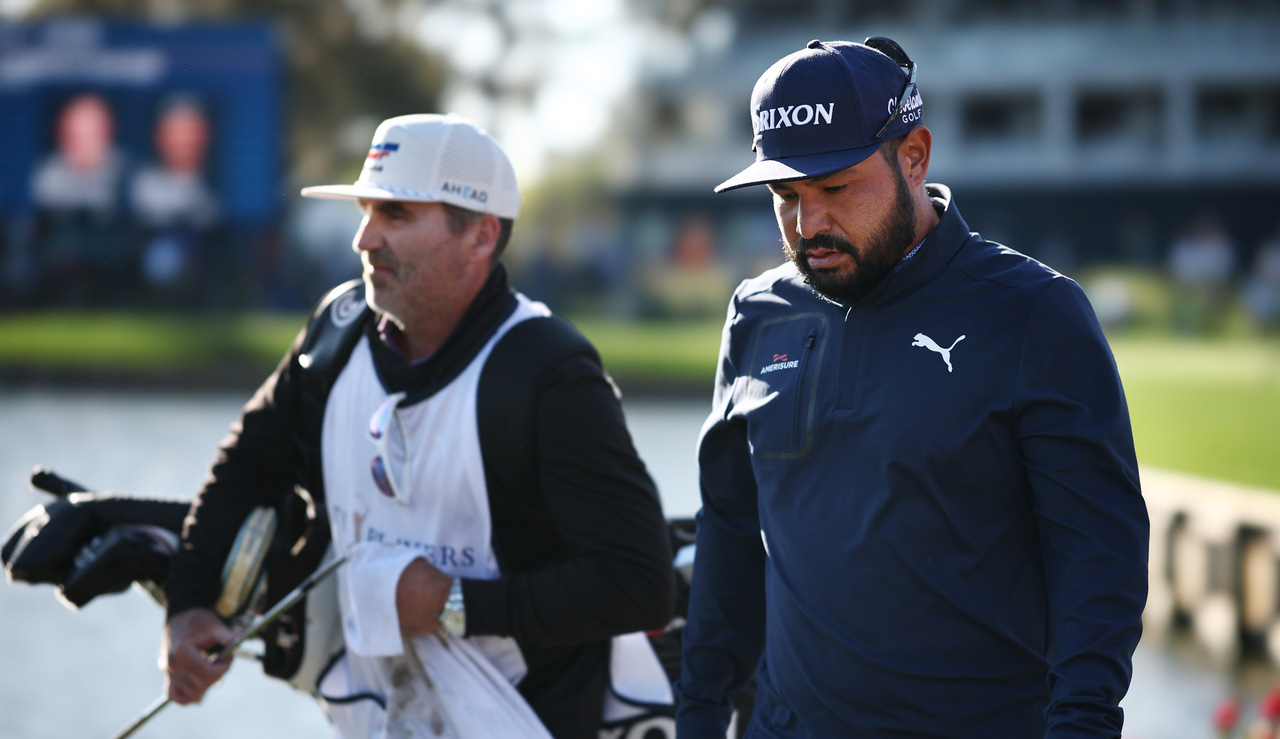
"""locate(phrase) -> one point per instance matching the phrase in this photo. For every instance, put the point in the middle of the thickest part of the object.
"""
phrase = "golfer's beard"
(886, 247)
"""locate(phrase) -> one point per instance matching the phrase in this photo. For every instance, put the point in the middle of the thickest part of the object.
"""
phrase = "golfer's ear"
(913, 155)
(487, 230)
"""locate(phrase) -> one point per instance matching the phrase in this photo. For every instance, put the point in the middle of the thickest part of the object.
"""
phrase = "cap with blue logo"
(433, 159)
(827, 107)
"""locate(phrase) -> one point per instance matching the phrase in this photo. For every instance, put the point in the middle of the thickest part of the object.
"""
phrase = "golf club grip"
(285, 603)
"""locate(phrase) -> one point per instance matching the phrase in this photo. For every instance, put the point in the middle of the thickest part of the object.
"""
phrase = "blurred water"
(86, 674)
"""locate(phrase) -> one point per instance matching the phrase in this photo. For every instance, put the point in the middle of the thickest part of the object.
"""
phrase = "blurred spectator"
(76, 190)
(603, 268)
(1201, 262)
(695, 283)
(1111, 298)
(173, 204)
(1262, 290)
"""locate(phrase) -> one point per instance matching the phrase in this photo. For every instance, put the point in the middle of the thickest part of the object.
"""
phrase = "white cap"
(432, 158)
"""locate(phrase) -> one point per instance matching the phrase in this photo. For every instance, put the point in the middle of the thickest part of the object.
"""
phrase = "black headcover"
(94, 543)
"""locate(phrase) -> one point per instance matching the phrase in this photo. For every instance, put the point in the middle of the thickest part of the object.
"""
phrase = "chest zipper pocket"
(781, 393)
(798, 411)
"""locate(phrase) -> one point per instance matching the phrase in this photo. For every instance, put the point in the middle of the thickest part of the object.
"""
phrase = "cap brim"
(368, 192)
(797, 168)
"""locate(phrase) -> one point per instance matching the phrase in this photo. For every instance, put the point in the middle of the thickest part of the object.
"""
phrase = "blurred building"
(1096, 128)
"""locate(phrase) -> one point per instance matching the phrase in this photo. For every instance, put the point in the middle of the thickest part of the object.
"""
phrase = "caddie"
(470, 453)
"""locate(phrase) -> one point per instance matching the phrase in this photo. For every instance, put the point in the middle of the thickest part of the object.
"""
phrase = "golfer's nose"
(369, 237)
(812, 216)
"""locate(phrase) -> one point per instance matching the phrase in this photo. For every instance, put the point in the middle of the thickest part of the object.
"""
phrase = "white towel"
(439, 687)
(464, 694)
(367, 593)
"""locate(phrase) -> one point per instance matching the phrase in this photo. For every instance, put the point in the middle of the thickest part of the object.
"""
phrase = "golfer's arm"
(724, 635)
(1073, 428)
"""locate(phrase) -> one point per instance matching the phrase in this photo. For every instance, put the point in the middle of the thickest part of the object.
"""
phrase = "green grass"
(681, 351)
(1208, 407)
(124, 341)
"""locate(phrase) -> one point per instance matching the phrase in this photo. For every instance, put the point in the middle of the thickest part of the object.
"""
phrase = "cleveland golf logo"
(911, 109)
(931, 345)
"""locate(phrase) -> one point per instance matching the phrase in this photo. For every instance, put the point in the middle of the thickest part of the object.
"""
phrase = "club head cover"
(42, 546)
(45, 540)
(112, 561)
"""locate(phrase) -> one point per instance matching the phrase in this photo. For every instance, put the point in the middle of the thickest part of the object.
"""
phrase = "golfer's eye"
(392, 211)
(832, 189)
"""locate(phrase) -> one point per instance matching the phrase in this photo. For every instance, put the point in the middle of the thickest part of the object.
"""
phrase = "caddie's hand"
(420, 597)
(188, 637)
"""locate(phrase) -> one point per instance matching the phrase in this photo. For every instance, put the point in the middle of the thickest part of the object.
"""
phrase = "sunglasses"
(890, 48)
(390, 458)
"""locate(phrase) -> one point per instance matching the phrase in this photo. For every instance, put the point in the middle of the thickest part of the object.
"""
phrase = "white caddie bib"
(445, 519)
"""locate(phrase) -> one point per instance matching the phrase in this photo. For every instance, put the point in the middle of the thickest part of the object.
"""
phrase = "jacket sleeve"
(724, 636)
(254, 466)
(618, 576)
(1072, 423)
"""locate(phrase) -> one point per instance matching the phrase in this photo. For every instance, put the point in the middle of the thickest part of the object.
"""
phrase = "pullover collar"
(935, 252)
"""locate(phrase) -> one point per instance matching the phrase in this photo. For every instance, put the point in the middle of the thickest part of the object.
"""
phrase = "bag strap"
(332, 332)
(335, 327)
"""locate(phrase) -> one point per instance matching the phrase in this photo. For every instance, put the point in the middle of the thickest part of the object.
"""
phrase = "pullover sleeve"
(617, 576)
(724, 636)
(1072, 423)
(254, 466)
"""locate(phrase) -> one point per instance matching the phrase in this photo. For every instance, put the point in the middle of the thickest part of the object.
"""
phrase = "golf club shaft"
(143, 717)
(260, 623)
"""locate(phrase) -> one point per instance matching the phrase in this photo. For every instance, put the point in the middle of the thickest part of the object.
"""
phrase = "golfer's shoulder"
(1000, 266)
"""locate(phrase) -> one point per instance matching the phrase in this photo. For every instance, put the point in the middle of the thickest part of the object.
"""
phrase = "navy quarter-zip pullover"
(921, 512)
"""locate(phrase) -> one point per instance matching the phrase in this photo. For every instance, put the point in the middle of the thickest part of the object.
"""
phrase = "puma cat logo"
(931, 345)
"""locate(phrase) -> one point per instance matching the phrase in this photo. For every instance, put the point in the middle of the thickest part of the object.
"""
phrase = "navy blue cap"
(817, 111)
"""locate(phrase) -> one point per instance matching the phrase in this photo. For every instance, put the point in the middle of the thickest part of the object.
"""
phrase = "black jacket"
(921, 512)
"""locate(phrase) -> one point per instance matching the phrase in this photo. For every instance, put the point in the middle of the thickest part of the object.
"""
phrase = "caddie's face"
(845, 231)
(412, 261)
